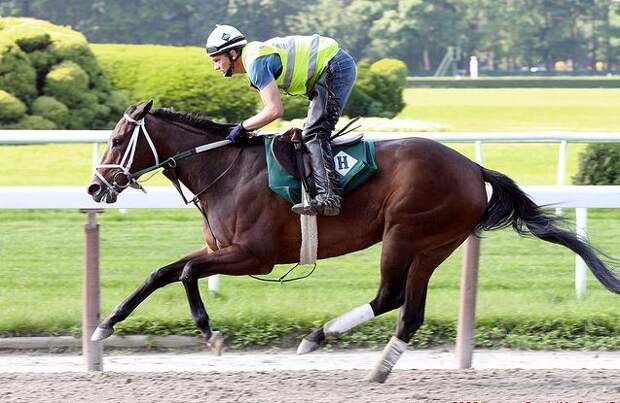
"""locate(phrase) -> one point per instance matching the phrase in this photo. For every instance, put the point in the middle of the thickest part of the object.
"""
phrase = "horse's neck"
(195, 172)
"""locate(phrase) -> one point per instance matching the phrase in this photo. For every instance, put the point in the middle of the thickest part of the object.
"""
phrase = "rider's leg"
(328, 98)
(321, 121)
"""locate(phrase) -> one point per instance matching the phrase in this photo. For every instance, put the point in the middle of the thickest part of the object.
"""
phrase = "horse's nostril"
(93, 189)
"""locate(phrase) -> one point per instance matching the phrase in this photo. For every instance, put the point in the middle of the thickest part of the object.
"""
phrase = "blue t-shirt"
(264, 70)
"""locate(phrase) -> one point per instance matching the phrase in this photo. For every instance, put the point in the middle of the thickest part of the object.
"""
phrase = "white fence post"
(91, 350)
(469, 289)
(214, 283)
(561, 169)
(581, 218)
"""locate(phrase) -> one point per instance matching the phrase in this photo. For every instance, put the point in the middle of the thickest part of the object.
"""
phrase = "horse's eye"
(116, 142)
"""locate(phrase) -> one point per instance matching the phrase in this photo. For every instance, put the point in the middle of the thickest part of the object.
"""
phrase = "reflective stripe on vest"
(303, 59)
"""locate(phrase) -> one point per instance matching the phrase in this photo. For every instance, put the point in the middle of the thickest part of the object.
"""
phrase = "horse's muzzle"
(101, 193)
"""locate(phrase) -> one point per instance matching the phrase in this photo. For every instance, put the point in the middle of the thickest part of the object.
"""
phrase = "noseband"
(127, 160)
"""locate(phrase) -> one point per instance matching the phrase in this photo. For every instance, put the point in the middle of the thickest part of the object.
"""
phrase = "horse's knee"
(188, 274)
(161, 277)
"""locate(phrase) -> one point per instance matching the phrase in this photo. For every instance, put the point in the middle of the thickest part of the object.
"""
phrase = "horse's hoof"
(101, 333)
(216, 342)
(307, 346)
(378, 376)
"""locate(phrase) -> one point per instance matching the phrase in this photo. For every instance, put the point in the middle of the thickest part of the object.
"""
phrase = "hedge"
(51, 109)
(179, 77)
(11, 108)
(378, 93)
(599, 164)
(52, 70)
(514, 82)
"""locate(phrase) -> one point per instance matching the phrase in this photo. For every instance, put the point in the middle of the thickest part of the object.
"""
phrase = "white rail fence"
(578, 197)
(96, 137)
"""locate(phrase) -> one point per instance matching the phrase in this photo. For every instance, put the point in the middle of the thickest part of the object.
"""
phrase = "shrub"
(599, 164)
(375, 94)
(52, 110)
(393, 68)
(177, 77)
(33, 122)
(17, 75)
(35, 42)
(295, 107)
(67, 82)
(52, 69)
(11, 108)
(117, 102)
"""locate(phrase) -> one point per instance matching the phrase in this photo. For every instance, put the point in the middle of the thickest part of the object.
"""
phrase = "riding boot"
(321, 121)
(327, 200)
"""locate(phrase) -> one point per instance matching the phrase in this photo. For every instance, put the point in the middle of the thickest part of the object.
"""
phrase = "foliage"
(68, 83)
(393, 68)
(375, 93)
(33, 122)
(295, 107)
(177, 77)
(502, 33)
(52, 69)
(11, 108)
(599, 164)
(52, 110)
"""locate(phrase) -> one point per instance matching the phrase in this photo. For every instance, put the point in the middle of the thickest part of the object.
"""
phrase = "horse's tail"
(510, 206)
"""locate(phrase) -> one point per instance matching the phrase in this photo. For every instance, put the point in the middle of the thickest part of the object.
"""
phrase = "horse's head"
(130, 148)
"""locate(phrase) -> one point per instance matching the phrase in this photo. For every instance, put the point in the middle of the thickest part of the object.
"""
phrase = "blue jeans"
(344, 70)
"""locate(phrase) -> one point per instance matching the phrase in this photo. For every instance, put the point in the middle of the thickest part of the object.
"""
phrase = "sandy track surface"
(499, 385)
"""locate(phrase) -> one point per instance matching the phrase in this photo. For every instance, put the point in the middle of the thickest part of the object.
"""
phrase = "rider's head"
(224, 46)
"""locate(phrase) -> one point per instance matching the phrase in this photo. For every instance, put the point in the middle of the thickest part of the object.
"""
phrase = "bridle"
(125, 165)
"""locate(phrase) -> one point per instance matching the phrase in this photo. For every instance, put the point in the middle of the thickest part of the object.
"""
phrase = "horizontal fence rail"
(69, 197)
(23, 137)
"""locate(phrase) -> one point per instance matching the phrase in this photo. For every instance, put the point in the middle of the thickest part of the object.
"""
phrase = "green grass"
(521, 281)
(526, 296)
(527, 109)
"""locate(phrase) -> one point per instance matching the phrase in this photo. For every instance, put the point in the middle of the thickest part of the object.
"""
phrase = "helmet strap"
(230, 70)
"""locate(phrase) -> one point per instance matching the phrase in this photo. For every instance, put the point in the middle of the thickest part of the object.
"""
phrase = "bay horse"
(422, 203)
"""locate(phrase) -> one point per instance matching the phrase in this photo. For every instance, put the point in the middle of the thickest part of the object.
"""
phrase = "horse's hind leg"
(391, 294)
(412, 313)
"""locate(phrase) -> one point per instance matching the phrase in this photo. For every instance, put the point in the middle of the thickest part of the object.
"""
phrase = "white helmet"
(224, 37)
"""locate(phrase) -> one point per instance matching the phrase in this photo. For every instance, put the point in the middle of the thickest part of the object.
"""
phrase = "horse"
(422, 203)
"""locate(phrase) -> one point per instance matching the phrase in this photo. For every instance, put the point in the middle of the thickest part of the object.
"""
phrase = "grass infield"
(526, 296)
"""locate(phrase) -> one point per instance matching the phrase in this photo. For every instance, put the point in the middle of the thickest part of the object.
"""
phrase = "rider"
(313, 66)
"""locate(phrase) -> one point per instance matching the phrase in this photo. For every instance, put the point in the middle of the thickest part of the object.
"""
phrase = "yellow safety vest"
(303, 59)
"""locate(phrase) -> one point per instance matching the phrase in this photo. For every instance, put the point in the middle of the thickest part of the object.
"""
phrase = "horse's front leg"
(233, 261)
(157, 279)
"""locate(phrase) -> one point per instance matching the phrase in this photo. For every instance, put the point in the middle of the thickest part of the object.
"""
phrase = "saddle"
(288, 150)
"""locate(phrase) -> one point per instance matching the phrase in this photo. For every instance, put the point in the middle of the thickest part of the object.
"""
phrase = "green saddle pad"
(354, 163)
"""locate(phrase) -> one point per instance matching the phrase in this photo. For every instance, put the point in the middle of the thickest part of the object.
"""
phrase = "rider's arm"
(272, 108)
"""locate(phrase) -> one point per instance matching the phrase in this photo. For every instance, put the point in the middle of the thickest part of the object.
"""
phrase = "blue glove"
(237, 134)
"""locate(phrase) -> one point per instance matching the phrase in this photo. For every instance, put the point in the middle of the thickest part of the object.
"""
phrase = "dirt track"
(514, 385)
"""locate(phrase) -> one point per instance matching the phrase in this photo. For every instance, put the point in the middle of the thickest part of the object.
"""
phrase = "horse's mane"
(195, 120)
(191, 119)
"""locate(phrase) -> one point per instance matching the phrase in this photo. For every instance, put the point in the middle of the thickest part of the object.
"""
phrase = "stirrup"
(305, 209)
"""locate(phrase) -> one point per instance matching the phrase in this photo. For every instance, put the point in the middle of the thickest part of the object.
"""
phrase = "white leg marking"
(348, 320)
(391, 353)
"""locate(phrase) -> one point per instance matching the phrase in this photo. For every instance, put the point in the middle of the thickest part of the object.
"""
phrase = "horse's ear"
(143, 109)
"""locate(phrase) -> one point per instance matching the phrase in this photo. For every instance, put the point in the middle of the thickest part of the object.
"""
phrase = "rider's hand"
(237, 134)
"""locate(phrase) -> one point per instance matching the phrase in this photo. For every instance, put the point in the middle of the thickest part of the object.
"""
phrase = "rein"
(169, 171)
